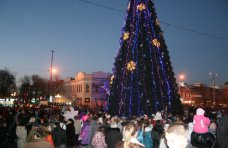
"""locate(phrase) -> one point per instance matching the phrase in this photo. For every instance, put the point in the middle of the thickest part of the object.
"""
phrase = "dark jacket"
(59, 136)
(70, 134)
(112, 136)
(222, 132)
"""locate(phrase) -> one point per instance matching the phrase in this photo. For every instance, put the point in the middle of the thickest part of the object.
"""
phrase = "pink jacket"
(200, 124)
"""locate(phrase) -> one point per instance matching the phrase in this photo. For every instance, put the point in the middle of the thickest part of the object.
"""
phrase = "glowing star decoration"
(112, 78)
(157, 22)
(70, 114)
(126, 35)
(141, 7)
(156, 42)
(131, 65)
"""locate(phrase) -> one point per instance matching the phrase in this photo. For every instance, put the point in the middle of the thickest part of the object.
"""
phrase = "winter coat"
(93, 129)
(205, 140)
(77, 126)
(70, 134)
(222, 132)
(200, 124)
(112, 136)
(59, 136)
(98, 140)
(140, 135)
(3, 135)
(85, 133)
(147, 139)
(21, 133)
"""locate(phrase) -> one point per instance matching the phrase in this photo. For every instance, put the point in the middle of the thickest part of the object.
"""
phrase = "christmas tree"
(143, 80)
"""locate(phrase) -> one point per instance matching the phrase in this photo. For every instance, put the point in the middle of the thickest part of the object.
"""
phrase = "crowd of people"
(71, 127)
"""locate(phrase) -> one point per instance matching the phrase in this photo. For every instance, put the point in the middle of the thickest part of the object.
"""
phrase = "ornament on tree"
(156, 43)
(141, 7)
(131, 65)
(157, 22)
(126, 36)
(111, 80)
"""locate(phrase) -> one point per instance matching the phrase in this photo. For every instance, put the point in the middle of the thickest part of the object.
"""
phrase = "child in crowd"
(201, 137)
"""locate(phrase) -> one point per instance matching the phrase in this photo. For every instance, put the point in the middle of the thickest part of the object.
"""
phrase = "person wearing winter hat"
(201, 137)
(222, 133)
(200, 122)
(157, 117)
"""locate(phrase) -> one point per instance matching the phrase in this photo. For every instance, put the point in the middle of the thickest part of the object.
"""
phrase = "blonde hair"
(130, 130)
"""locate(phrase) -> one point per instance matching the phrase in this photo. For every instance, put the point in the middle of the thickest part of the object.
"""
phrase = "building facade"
(198, 93)
(86, 89)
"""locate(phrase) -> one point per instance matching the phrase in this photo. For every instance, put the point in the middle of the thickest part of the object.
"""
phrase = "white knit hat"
(158, 116)
(200, 111)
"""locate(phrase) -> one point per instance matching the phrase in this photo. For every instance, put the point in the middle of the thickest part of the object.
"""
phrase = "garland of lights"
(131, 90)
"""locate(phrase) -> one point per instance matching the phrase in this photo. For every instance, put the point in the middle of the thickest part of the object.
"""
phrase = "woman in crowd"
(85, 131)
(157, 134)
(130, 140)
(147, 140)
(222, 133)
(21, 133)
(70, 133)
(98, 140)
(113, 135)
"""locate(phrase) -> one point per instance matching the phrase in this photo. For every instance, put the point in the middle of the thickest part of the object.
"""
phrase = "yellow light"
(58, 96)
(156, 43)
(126, 35)
(54, 70)
(131, 65)
(141, 7)
(182, 77)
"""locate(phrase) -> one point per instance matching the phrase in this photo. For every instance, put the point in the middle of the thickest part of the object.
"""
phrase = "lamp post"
(213, 77)
(51, 71)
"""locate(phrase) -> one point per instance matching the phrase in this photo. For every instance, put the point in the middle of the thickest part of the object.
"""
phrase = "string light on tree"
(145, 80)
(141, 7)
(131, 65)
(126, 36)
(129, 5)
(156, 43)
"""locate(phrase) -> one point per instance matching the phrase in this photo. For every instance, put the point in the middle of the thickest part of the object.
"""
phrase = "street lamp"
(181, 79)
(54, 70)
(51, 71)
(213, 77)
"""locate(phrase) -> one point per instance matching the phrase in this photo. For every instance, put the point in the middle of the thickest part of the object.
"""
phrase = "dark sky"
(85, 37)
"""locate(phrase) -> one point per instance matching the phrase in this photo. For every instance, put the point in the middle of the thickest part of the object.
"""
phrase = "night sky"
(85, 37)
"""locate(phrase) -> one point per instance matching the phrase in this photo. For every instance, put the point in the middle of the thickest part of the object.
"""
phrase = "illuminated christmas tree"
(143, 80)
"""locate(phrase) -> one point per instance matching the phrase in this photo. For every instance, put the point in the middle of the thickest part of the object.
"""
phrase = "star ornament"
(156, 42)
(126, 36)
(112, 78)
(131, 66)
(141, 7)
